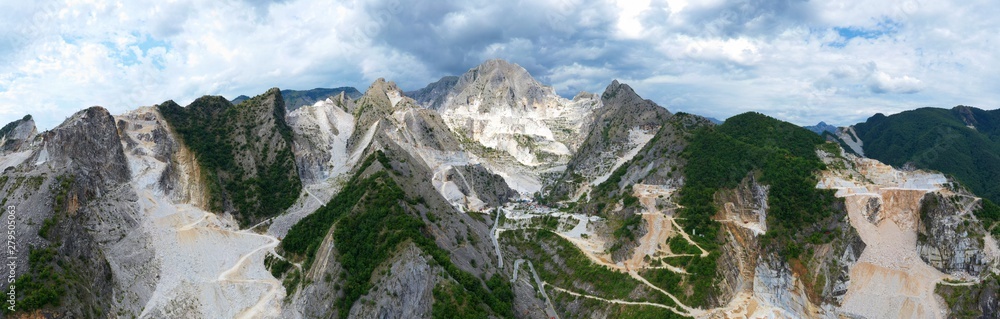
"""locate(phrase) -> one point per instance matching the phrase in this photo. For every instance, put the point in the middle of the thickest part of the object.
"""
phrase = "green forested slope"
(244, 152)
(373, 215)
(940, 140)
(783, 157)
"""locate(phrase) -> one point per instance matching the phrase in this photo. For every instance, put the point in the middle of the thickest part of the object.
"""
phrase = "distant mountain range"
(295, 99)
(822, 127)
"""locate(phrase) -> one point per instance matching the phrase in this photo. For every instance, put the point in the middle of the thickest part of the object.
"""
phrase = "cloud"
(857, 80)
(884, 83)
(802, 61)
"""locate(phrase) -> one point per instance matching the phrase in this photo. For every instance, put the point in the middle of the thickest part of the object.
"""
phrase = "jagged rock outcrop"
(396, 119)
(75, 213)
(776, 284)
(749, 269)
(403, 286)
(498, 84)
(405, 291)
(476, 181)
(660, 161)
(378, 103)
(17, 135)
(851, 139)
(744, 217)
(950, 237)
(88, 142)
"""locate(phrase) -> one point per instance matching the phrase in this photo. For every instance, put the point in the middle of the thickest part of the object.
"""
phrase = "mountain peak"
(382, 86)
(499, 84)
(380, 100)
(615, 88)
(496, 71)
(620, 98)
(821, 127)
(499, 64)
(16, 133)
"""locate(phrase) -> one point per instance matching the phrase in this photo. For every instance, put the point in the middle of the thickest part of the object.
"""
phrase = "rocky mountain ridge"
(483, 195)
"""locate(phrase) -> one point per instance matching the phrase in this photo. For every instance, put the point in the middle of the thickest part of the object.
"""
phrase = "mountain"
(821, 127)
(73, 221)
(963, 142)
(520, 128)
(295, 99)
(402, 205)
(244, 150)
(239, 99)
(433, 95)
(15, 134)
(621, 128)
(489, 196)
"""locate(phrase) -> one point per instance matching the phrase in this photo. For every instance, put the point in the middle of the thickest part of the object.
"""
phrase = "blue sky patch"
(886, 27)
(146, 42)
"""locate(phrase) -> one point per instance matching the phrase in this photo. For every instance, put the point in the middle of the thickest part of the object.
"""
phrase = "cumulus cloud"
(857, 80)
(802, 61)
(885, 83)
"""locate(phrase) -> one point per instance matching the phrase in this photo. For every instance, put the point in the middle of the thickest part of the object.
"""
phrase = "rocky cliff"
(74, 217)
(950, 238)
(16, 135)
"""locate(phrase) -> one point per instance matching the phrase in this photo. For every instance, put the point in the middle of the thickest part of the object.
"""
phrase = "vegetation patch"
(964, 301)
(43, 285)
(989, 214)
(562, 264)
(276, 265)
(453, 302)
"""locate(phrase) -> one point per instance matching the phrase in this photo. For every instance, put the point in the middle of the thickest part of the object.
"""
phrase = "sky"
(799, 61)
